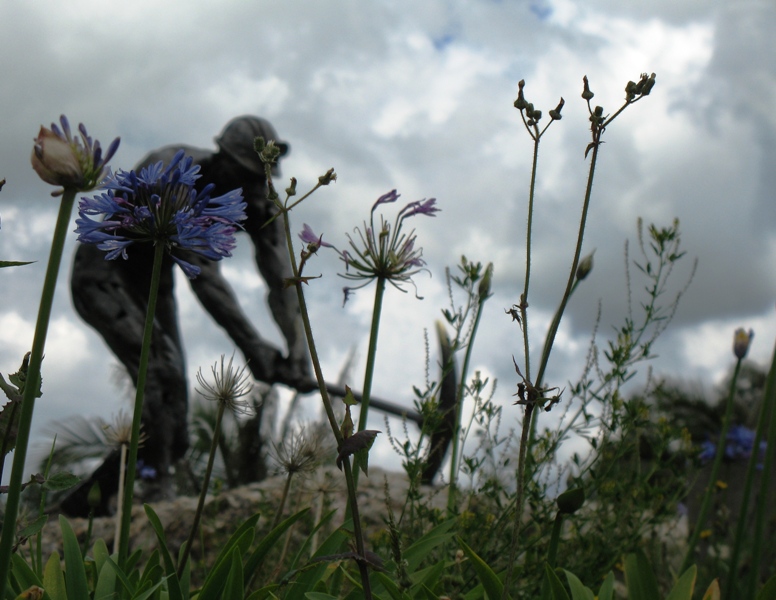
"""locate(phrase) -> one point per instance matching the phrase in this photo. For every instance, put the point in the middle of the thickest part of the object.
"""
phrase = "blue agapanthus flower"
(160, 205)
(739, 446)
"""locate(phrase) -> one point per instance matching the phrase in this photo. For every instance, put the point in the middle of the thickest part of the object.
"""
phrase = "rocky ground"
(224, 511)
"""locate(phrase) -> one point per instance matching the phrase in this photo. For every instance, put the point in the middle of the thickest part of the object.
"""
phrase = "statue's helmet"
(236, 141)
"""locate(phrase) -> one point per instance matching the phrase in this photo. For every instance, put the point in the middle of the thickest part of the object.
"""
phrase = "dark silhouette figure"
(112, 297)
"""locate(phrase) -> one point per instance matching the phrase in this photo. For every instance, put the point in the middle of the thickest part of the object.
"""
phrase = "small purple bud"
(391, 196)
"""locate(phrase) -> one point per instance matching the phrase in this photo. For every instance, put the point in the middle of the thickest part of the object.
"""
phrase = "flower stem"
(353, 502)
(32, 384)
(371, 354)
(122, 473)
(706, 503)
(754, 459)
(524, 298)
(768, 408)
(452, 489)
(519, 497)
(145, 352)
(203, 492)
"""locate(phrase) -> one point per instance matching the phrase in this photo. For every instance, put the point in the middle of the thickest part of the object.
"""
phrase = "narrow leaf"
(685, 585)
(490, 581)
(75, 573)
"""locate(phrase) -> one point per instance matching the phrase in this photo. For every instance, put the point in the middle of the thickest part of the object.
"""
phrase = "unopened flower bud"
(648, 85)
(54, 161)
(484, 289)
(291, 189)
(536, 115)
(586, 93)
(76, 163)
(94, 497)
(258, 144)
(520, 103)
(585, 266)
(328, 177)
(555, 113)
(571, 501)
(741, 342)
(631, 90)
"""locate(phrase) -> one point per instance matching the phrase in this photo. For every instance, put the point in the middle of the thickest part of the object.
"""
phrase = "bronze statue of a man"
(112, 297)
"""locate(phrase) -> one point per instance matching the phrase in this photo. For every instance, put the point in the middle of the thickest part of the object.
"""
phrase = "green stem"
(754, 459)
(283, 498)
(122, 481)
(203, 492)
(371, 354)
(769, 406)
(706, 503)
(145, 352)
(519, 497)
(452, 489)
(524, 297)
(353, 503)
(32, 385)
(550, 340)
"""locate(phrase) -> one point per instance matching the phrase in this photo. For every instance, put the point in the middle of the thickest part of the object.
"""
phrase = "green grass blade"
(265, 545)
(173, 583)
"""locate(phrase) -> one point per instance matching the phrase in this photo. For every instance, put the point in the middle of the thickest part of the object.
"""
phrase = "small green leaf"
(768, 591)
(639, 578)
(487, 576)
(607, 588)
(685, 586)
(557, 591)
(54, 579)
(33, 527)
(61, 481)
(14, 263)
(234, 582)
(578, 590)
(75, 573)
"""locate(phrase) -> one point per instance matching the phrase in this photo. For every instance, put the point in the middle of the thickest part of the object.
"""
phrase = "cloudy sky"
(418, 97)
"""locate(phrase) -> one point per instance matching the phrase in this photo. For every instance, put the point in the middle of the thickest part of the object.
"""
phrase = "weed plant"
(567, 505)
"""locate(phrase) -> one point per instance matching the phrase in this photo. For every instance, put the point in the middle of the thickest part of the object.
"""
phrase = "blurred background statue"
(111, 296)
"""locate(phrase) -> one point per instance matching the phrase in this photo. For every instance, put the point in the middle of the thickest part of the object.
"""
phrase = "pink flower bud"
(55, 160)
(71, 162)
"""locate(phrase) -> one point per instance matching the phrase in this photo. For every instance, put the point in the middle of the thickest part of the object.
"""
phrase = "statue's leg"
(111, 297)
(275, 267)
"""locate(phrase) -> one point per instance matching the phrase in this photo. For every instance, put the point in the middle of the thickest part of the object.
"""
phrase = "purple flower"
(386, 252)
(421, 207)
(391, 196)
(145, 472)
(160, 205)
(75, 163)
(307, 235)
